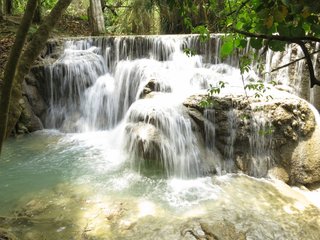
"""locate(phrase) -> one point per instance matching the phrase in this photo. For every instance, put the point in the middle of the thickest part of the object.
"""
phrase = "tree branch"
(297, 40)
(277, 37)
(313, 79)
(290, 63)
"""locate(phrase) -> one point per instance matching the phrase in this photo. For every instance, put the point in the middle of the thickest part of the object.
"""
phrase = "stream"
(83, 177)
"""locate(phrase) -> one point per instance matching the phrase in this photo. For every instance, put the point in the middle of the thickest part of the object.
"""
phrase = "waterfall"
(68, 78)
(260, 145)
(161, 136)
(229, 149)
(138, 83)
(314, 96)
(295, 77)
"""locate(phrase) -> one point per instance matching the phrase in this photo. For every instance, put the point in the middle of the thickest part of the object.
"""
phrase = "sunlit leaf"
(239, 25)
(227, 47)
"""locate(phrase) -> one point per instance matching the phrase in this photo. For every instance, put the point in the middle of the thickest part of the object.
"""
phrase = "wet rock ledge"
(276, 138)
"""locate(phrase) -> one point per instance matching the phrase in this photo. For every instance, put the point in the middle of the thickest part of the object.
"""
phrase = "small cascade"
(295, 77)
(228, 164)
(300, 81)
(209, 128)
(315, 91)
(68, 78)
(260, 142)
(159, 136)
(275, 59)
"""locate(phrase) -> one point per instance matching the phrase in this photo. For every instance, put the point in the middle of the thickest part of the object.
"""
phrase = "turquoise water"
(66, 186)
(44, 159)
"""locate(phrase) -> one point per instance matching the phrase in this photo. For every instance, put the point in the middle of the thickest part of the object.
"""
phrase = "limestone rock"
(305, 160)
(158, 138)
(279, 173)
(222, 230)
(276, 137)
(146, 140)
(154, 86)
(35, 99)
(28, 121)
(211, 230)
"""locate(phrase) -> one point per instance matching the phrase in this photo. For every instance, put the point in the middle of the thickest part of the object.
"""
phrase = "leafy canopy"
(290, 20)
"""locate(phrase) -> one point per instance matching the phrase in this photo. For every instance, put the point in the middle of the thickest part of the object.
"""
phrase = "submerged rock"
(7, 235)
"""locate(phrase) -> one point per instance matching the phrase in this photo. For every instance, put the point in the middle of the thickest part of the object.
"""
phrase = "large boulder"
(154, 86)
(276, 137)
(34, 96)
(160, 137)
(28, 121)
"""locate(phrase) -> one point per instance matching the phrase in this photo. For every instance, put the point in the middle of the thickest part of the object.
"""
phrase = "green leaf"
(296, 8)
(306, 27)
(227, 47)
(203, 31)
(312, 19)
(279, 16)
(315, 28)
(283, 30)
(275, 45)
(243, 43)
(256, 43)
(239, 25)
(264, 13)
(229, 22)
(297, 31)
(260, 7)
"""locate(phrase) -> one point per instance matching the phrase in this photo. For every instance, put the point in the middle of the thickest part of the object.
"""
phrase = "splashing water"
(129, 164)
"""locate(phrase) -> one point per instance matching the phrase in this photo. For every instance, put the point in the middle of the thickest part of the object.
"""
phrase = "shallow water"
(77, 186)
(86, 185)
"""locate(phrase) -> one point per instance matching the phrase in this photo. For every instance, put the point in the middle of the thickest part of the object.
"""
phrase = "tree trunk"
(32, 51)
(8, 7)
(103, 5)
(1, 12)
(96, 17)
(11, 66)
(38, 14)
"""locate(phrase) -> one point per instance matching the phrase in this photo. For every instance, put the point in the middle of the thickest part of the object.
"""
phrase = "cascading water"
(69, 77)
(113, 74)
(132, 160)
(229, 150)
(169, 146)
(260, 146)
(295, 77)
